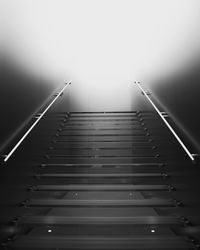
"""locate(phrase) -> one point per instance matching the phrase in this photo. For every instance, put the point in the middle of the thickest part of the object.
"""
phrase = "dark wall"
(180, 94)
(21, 94)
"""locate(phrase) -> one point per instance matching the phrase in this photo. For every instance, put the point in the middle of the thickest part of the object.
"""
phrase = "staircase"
(98, 180)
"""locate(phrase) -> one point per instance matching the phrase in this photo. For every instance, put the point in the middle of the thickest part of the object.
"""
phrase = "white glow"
(101, 44)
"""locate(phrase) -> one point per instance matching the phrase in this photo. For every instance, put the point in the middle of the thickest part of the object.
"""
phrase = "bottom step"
(122, 243)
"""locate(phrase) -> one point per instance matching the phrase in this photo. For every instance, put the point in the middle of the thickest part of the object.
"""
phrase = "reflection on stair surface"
(99, 180)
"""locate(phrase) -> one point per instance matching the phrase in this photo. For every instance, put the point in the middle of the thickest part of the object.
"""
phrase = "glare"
(101, 44)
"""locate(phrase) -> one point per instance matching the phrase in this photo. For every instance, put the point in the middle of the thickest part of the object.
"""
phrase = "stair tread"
(102, 242)
(67, 202)
(139, 220)
(102, 187)
(119, 175)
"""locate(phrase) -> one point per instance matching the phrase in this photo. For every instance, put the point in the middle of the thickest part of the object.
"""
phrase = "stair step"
(154, 202)
(100, 175)
(138, 140)
(103, 127)
(64, 220)
(101, 242)
(103, 115)
(102, 148)
(104, 123)
(105, 119)
(157, 165)
(100, 187)
(91, 133)
(50, 156)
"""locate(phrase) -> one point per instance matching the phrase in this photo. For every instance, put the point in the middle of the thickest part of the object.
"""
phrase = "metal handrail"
(39, 116)
(162, 116)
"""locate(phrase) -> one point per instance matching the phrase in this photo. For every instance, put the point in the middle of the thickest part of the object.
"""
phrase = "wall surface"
(180, 96)
(22, 94)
